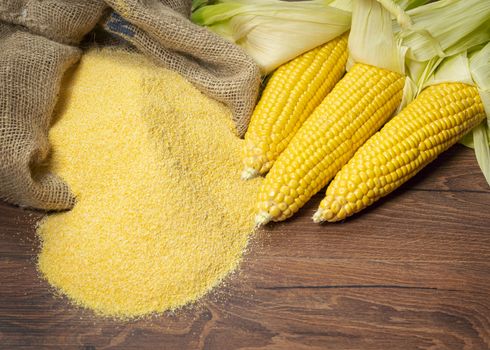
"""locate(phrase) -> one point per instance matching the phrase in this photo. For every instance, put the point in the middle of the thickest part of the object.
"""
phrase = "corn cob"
(355, 109)
(432, 123)
(293, 92)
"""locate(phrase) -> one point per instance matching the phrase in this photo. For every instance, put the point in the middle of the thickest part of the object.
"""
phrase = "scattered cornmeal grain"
(161, 215)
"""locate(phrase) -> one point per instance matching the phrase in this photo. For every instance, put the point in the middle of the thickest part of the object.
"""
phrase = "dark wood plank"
(350, 273)
(409, 225)
(413, 272)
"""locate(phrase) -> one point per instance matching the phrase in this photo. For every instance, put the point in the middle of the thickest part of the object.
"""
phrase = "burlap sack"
(35, 51)
(214, 65)
(64, 21)
(31, 68)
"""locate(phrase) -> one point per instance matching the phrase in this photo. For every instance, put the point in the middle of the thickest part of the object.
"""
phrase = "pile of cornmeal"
(161, 214)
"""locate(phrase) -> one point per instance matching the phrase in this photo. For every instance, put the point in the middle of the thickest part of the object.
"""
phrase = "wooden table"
(412, 272)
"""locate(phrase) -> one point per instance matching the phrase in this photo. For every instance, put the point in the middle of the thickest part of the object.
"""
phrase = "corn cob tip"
(249, 173)
(262, 219)
(322, 215)
(317, 217)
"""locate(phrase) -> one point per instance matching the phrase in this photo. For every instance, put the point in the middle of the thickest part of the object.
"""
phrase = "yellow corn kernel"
(432, 123)
(355, 109)
(293, 92)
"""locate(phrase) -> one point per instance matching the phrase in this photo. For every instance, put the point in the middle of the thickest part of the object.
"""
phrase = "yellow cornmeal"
(161, 215)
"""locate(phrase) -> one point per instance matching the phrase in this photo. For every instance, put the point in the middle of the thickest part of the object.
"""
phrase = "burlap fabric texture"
(38, 43)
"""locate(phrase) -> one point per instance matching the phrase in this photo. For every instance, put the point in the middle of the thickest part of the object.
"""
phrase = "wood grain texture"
(412, 272)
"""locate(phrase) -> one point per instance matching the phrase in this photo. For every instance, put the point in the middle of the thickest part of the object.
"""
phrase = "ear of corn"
(291, 95)
(355, 109)
(437, 119)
